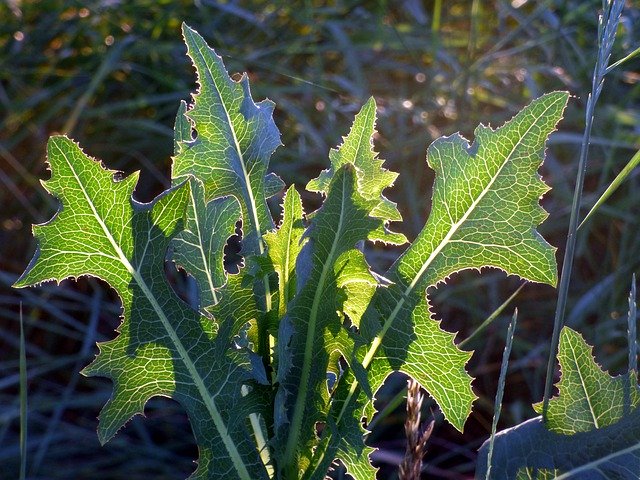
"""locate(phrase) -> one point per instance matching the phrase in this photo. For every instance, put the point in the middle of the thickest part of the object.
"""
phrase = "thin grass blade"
(633, 335)
(23, 401)
(623, 60)
(607, 27)
(621, 177)
(501, 382)
(489, 320)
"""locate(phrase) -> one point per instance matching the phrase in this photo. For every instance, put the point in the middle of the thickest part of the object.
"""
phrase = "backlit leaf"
(357, 149)
(284, 245)
(232, 141)
(163, 347)
(592, 429)
(199, 248)
(588, 397)
(342, 221)
(484, 213)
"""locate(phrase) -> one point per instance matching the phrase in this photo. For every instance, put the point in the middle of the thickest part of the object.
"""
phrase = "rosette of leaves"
(277, 366)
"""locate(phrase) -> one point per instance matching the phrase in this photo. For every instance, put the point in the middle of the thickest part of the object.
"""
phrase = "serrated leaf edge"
(377, 341)
(199, 382)
(193, 39)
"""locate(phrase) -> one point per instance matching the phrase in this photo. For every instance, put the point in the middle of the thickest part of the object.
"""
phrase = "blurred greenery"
(111, 73)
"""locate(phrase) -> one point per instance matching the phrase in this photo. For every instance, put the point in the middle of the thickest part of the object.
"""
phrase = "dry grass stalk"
(417, 436)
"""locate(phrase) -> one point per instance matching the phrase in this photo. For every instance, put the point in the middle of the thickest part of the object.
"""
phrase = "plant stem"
(491, 317)
(437, 16)
(261, 442)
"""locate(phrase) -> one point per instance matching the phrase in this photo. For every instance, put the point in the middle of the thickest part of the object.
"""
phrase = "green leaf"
(592, 430)
(273, 185)
(529, 450)
(312, 330)
(484, 213)
(284, 245)
(199, 248)
(232, 142)
(238, 302)
(163, 347)
(357, 149)
(347, 439)
(356, 286)
(588, 397)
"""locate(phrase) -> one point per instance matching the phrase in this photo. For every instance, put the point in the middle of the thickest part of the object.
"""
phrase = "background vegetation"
(111, 74)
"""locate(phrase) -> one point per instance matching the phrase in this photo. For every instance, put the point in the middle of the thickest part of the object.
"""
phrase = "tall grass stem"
(437, 16)
(23, 401)
(613, 186)
(632, 332)
(500, 393)
(489, 320)
(607, 27)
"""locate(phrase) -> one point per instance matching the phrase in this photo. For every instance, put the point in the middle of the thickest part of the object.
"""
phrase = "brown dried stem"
(417, 435)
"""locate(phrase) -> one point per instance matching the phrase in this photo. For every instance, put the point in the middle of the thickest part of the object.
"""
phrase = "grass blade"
(489, 320)
(23, 401)
(108, 65)
(633, 335)
(623, 60)
(500, 392)
(437, 16)
(621, 177)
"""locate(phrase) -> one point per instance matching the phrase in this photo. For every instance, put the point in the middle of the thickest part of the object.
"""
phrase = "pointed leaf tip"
(588, 397)
(357, 150)
(228, 121)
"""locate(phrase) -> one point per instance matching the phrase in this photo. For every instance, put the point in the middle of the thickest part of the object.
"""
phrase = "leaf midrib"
(587, 396)
(205, 262)
(595, 463)
(199, 382)
(247, 180)
(294, 431)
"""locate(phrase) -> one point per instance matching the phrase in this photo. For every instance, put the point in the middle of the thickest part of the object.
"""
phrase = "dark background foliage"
(111, 73)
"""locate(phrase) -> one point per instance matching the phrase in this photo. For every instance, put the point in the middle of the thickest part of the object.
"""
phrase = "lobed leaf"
(592, 430)
(199, 248)
(588, 397)
(484, 213)
(163, 347)
(357, 149)
(312, 330)
(284, 246)
(232, 141)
